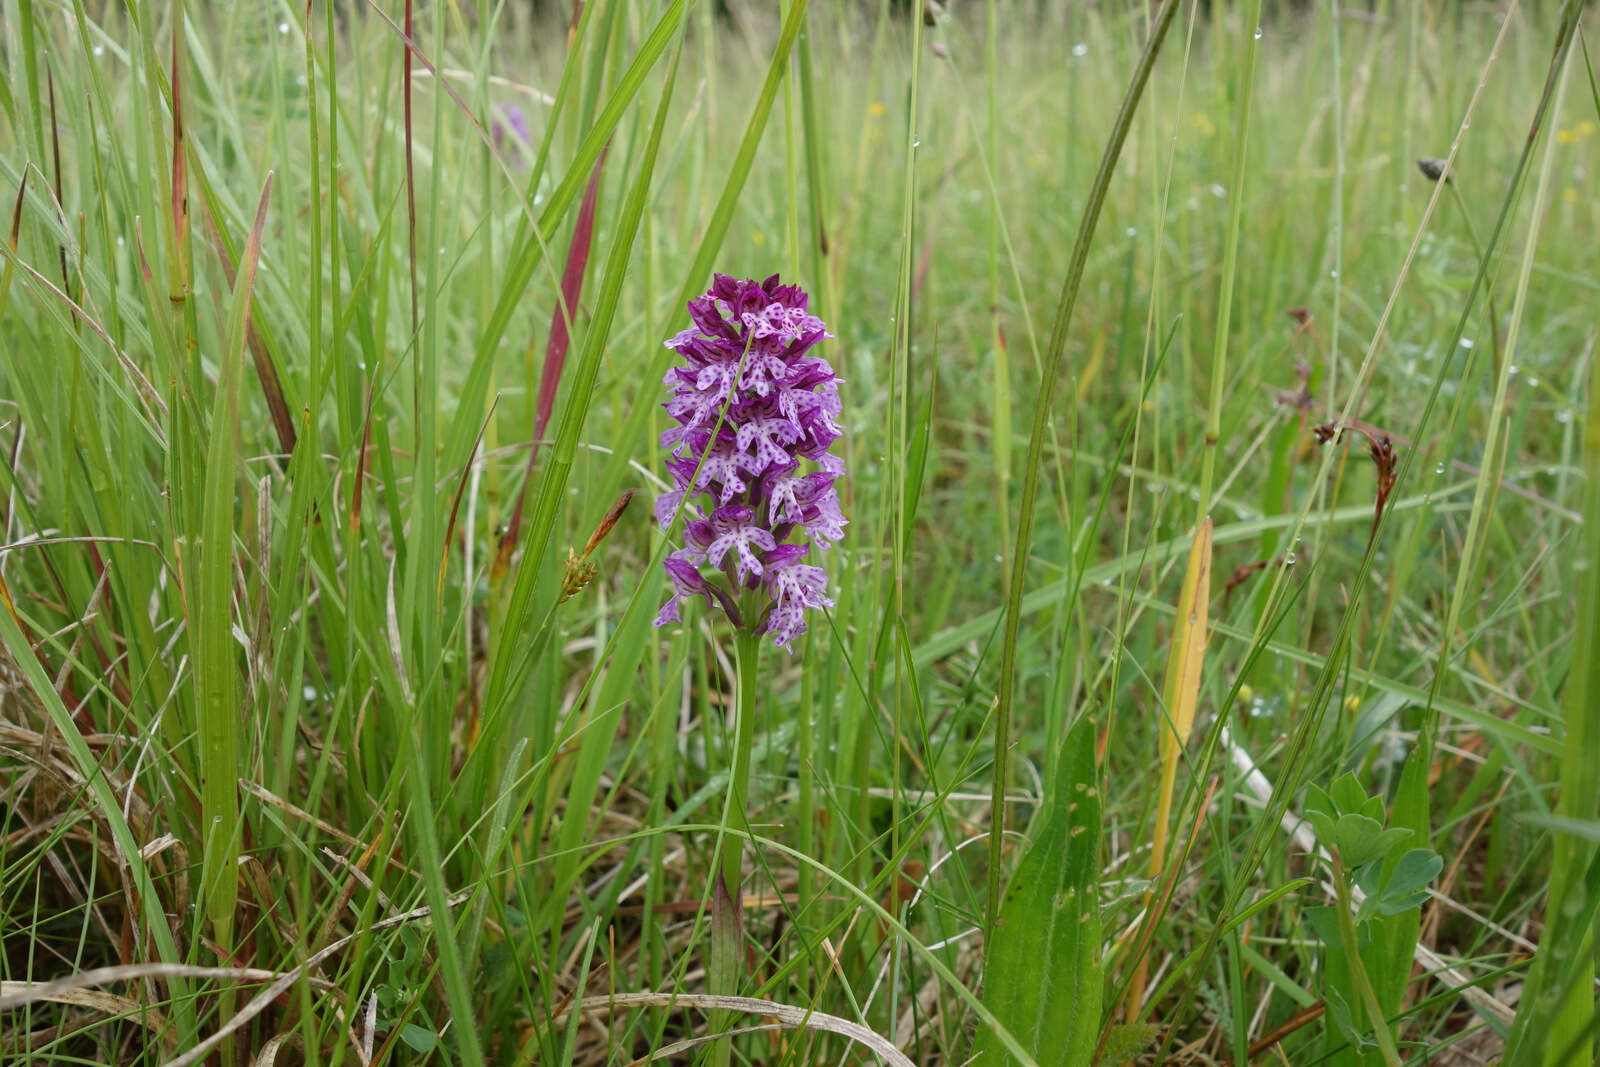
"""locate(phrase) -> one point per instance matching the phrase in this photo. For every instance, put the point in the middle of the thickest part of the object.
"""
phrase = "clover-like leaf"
(1416, 869)
(1406, 886)
(1362, 840)
(1355, 837)
(1349, 796)
(1318, 801)
(1322, 822)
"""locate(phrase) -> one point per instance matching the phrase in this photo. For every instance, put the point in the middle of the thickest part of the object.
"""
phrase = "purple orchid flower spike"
(751, 457)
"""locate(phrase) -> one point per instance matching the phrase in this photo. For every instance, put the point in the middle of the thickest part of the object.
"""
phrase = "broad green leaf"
(1042, 971)
(420, 1038)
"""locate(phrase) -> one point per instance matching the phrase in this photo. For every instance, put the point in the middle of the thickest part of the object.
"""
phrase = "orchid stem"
(727, 911)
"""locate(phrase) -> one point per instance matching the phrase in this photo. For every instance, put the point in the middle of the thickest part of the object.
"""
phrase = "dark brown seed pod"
(1432, 169)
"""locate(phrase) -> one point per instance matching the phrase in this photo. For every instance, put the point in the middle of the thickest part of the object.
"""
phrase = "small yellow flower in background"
(1352, 702)
(1203, 123)
(1569, 195)
(1587, 128)
(876, 109)
(1246, 693)
(758, 238)
(1567, 137)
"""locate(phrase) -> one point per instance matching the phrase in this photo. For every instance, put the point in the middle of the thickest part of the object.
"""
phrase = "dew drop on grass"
(309, 693)
(283, 27)
(99, 50)
(1563, 416)
(916, 142)
(1533, 383)
(1466, 342)
(1513, 370)
(1080, 49)
(1333, 273)
(1133, 231)
(1258, 33)
(1218, 190)
(1289, 560)
(1440, 468)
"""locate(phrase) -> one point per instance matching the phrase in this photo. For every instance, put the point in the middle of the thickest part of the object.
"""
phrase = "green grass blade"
(1559, 1005)
(211, 621)
(1043, 405)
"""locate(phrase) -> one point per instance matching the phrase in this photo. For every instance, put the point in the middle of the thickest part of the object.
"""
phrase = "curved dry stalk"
(108, 1004)
(282, 982)
(787, 1016)
(72, 988)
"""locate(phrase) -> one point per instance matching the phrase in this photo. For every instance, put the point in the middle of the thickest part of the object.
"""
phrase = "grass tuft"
(333, 724)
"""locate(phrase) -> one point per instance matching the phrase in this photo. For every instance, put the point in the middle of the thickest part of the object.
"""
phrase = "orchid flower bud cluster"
(750, 457)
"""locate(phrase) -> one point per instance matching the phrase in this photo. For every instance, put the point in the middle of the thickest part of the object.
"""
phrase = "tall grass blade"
(1558, 1010)
(527, 256)
(266, 368)
(555, 352)
(509, 664)
(1043, 405)
(1181, 698)
(1230, 263)
(210, 622)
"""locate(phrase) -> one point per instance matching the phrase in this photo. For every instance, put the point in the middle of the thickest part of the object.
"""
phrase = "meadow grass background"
(373, 707)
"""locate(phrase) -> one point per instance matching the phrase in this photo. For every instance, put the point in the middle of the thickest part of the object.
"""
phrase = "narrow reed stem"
(1483, 260)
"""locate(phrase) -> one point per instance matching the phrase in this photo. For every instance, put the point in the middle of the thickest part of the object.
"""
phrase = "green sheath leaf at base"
(1042, 968)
